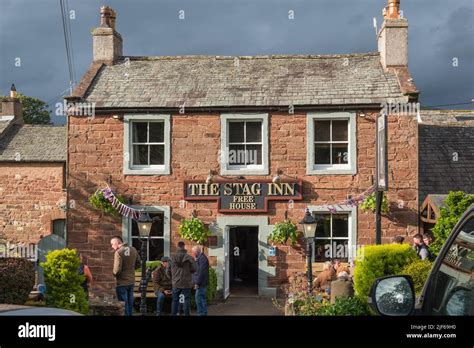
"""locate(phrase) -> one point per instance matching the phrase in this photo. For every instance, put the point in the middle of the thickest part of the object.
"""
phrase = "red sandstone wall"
(95, 152)
(30, 196)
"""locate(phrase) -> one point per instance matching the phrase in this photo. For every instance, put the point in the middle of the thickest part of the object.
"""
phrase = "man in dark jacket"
(422, 250)
(200, 279)
(182, 266)
(126, 260)
(162, 283)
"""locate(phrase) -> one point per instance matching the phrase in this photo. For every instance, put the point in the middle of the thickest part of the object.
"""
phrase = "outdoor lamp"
(309, 224)
(309, 229)
(144, 224)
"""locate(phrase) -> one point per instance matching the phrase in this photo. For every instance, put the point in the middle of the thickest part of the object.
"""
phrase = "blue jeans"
(180, 296)
(125, 294)
(160, 301)
(201, 302)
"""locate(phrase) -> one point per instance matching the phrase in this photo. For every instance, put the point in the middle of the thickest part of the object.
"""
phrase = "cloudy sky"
(441, 34)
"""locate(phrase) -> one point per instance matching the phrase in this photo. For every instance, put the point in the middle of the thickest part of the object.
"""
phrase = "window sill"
(237, 172)
(331, 171)
(146, 171)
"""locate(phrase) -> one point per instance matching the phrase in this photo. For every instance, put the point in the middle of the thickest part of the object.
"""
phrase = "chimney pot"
(392, 10)
(13, 91)
(107, 42)
(12, 108)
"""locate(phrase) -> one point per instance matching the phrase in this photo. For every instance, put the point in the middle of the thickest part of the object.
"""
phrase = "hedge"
(379, 261)
(419, 272)
(17, 278)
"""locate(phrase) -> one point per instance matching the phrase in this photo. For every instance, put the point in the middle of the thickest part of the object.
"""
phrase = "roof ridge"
(273, 56)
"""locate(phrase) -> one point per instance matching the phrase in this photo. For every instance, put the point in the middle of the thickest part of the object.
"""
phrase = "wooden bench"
(150, 291)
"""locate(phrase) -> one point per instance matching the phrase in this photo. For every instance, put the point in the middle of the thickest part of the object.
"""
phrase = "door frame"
(264, 270)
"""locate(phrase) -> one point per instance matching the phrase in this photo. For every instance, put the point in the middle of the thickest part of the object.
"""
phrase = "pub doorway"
(243, 260)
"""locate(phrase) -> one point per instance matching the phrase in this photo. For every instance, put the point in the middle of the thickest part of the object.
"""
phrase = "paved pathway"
(244, 306)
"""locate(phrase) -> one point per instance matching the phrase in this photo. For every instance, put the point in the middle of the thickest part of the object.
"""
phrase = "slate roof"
(3, 126)
(212, 81)
(440, 135)
(34, 143)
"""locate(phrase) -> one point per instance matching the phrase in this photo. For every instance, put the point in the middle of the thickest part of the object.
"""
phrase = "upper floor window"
(331, 143)
(244, 144)
(147, 144)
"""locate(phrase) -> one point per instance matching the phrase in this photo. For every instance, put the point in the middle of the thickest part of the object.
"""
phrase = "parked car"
(449, 289)
(9, 310)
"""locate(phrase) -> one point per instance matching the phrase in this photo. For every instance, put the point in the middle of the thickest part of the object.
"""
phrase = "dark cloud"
(439, 31)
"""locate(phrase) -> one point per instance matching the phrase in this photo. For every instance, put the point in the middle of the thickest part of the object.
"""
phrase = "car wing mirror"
(393, 296)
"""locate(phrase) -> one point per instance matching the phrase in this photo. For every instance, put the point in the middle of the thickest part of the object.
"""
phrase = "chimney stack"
(107, 42)
(12, 109)
(393, 37)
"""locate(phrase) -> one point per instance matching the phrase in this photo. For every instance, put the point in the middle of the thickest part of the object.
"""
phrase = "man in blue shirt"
(200, 279)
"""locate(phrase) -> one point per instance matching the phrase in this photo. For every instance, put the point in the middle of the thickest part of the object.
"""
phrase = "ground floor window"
(155, 244)
(335, 233)
(332, 237)
(158, 243)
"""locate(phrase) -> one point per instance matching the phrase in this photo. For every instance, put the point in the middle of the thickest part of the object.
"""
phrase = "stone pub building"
(208, 136)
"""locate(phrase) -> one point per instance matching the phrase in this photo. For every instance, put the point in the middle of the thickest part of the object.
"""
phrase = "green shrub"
(419, 271)
(378, 261)
(17, 278)
(345, 306)
(194, 230)
(98, 201)
(455, 205)
(308, 305)
(63, 282)
(369, 203)
(149, 264)
(283, 231)
(211, 291)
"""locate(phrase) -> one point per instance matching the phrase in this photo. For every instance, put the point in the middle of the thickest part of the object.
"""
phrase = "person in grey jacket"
(182, 267)
(200, 279)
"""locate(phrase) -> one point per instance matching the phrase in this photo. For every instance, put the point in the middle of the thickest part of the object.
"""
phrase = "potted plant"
(194, 230)
(284, 231)
(98, 201)
(369, 204)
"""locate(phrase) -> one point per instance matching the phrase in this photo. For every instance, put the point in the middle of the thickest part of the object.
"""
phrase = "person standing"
(182, 267)
(422, 250)
(200, 279)
(86, 272)
(126, 260)
(162, 283)
(427, 239)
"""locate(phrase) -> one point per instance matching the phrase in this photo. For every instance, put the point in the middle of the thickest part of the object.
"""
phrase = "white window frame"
(166, 210)
(226, 168)
(328, 169)
(352, 224)
(128, 167)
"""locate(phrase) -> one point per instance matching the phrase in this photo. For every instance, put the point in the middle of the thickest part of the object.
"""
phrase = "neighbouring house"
(241, 143)
(446, 159)
(32, 177)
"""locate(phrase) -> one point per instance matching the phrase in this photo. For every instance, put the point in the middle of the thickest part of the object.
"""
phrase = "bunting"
(122, 209)
(353, 201)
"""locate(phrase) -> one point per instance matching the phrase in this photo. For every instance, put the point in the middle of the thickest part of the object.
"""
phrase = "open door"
(226, 262)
